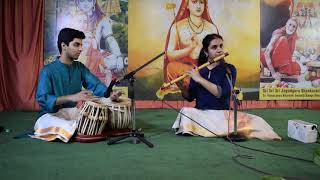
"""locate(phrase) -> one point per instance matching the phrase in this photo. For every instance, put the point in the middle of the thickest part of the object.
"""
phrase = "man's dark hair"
(67, 35)
(205, 45)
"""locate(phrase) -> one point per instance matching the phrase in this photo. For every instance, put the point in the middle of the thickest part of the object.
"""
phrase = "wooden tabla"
(93, 120)
(119, 114)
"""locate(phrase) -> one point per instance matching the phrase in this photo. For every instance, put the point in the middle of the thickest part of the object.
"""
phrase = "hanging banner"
(290, 50)
(275, 49)
(105, 24)
(167, 26)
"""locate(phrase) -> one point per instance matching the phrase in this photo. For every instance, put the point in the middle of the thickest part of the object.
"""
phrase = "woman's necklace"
(193, 24)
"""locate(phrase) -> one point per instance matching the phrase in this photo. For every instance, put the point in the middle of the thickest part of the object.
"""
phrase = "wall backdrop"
(123, 35)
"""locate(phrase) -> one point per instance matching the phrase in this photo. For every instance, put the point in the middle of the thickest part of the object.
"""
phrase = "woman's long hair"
(203, 58)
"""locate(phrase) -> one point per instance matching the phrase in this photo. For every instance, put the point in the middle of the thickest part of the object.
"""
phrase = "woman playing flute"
(210, 86)
(190, 26)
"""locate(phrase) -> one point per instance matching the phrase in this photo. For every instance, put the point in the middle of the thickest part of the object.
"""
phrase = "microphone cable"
(236, 146)
(239, 153)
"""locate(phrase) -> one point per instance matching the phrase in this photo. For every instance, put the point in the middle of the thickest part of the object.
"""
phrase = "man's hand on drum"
(84, 96)
(115, 95)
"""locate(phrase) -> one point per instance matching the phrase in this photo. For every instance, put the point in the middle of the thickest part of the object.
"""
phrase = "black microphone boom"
(109, 89)
(129, 75)
(136, 134)
(132, 73)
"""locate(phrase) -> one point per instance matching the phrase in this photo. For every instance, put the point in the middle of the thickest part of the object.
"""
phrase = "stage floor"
(173, 157)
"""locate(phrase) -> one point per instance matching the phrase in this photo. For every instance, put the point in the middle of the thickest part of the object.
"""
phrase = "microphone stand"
(136, 135)
(235, 136)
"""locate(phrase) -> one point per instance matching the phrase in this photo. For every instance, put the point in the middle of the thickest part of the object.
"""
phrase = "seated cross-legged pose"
(60, 89)
(211, 88)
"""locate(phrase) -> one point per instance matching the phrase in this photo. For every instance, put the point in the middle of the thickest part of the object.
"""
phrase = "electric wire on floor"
(238, 151)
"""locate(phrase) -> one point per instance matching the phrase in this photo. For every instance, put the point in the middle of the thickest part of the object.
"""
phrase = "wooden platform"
(102, 137)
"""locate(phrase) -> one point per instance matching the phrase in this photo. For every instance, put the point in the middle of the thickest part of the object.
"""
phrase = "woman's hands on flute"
(194, 74)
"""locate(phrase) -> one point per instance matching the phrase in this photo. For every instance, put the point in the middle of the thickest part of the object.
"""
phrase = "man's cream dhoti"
(251, 126)
(60, 125)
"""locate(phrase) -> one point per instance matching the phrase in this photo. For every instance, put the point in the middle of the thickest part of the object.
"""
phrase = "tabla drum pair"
(98, 119)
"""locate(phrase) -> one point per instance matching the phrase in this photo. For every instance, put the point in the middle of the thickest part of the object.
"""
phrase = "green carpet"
(173, 157)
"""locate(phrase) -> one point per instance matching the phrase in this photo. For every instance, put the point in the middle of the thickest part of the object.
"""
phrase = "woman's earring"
(94, 8)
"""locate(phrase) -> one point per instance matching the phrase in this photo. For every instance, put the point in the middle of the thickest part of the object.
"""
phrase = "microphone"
(109, 89)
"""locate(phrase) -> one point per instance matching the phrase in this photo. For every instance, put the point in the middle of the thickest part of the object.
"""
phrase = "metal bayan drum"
(119, 114)
(92, 122)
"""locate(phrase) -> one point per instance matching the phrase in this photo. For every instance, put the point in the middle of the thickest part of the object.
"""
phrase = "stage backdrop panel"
(249, 27)
(152, 21)
(294, 55)
(105, 24)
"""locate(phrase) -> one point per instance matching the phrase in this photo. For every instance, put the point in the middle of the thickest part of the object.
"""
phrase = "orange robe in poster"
(95, 62)
(175, 68)
(281, 55)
